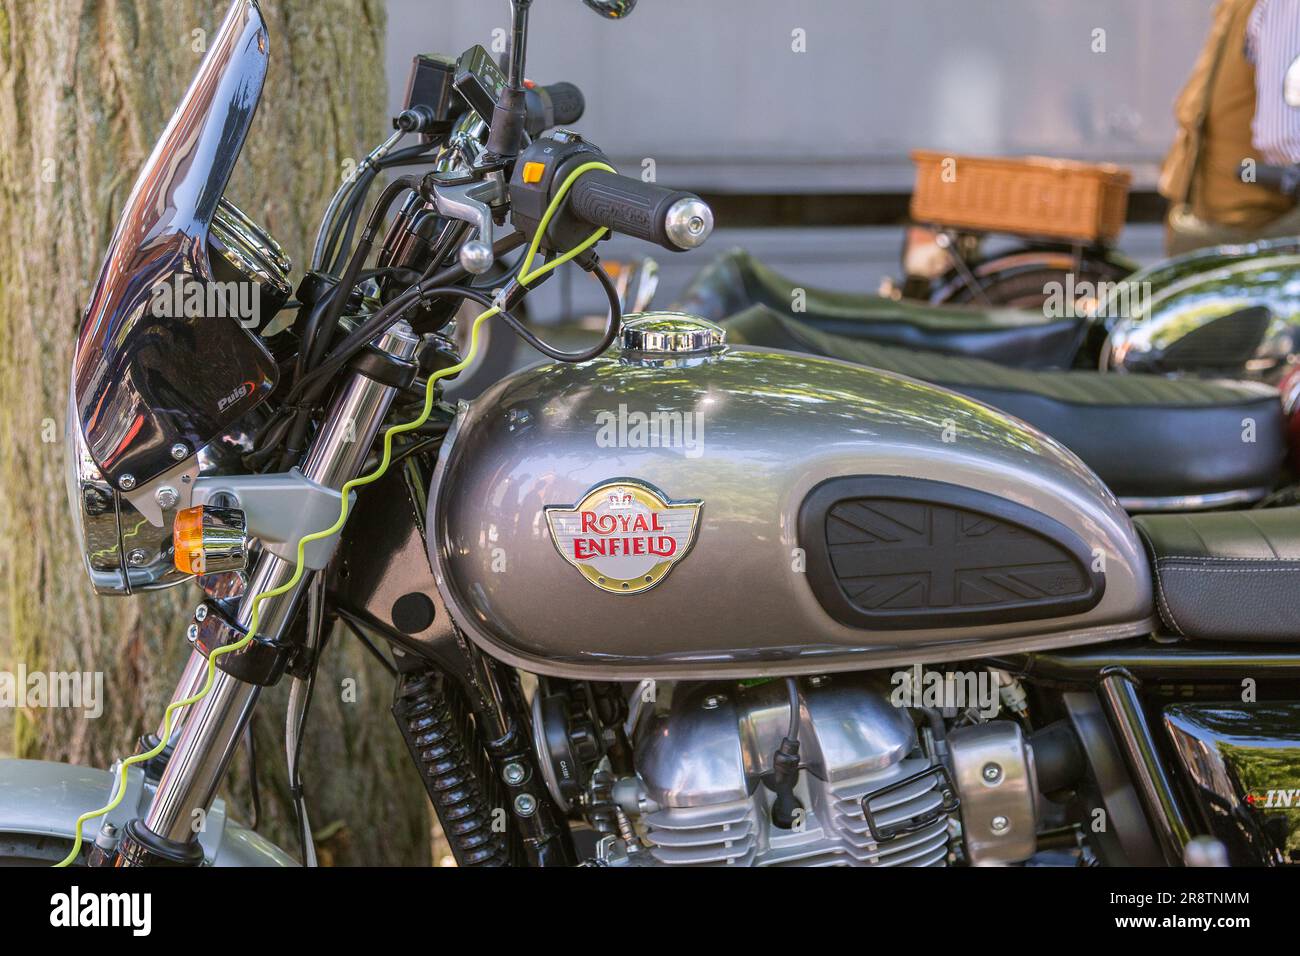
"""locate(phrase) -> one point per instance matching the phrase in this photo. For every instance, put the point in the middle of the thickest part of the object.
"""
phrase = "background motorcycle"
(1226, 310)
(712, 685)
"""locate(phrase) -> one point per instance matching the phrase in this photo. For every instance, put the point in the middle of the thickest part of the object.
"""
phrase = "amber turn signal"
(209, 540)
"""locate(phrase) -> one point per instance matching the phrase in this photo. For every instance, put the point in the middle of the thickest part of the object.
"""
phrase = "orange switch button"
(533, 172)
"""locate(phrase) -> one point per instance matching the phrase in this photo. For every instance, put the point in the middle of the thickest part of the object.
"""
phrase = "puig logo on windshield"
(243, 390)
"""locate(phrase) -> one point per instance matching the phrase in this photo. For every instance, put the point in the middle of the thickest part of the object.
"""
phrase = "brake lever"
(469, 202)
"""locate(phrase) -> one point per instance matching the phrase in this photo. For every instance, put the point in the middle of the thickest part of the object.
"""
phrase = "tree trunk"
(85, 89)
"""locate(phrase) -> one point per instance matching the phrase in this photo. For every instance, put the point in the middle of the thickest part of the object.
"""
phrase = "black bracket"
(261, 661)
(950, 804)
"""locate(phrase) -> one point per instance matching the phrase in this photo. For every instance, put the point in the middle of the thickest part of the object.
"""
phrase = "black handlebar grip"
(557, 104)
(672, 218)
(567, 103)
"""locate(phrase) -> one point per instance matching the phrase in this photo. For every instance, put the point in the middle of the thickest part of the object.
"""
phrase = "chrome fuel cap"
(670, 333)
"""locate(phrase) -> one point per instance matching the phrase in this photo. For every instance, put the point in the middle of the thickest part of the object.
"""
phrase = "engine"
(875, 784)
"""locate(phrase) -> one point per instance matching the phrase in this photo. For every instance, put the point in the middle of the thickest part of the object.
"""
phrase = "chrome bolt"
(167, 496)
(201, 613)
(192, 633)
(1001, 824)
(136, 558)
(126, 482)
(713, 701)
(525, 805)
(992, 773)
(514, 774)
(107, 837)
(180, 451)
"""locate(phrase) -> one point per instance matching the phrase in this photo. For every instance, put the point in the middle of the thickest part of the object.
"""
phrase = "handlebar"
(673, 218)
(556, 104)
(1282, 179)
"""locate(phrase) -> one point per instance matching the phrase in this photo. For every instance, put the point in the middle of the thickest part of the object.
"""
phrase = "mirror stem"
(508, 118)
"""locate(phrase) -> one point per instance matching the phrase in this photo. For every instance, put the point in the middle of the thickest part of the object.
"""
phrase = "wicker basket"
(1029, 195)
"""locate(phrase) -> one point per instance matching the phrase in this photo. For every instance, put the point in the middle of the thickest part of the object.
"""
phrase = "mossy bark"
(86, 86)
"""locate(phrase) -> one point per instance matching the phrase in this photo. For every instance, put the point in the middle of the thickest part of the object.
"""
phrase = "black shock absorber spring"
(435, 721)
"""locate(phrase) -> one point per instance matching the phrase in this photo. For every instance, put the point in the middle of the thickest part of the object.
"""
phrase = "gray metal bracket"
(279, 509)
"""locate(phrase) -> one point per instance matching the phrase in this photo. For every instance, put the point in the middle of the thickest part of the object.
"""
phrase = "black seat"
(1148, 437)
(1015, 337)
(1229, 575)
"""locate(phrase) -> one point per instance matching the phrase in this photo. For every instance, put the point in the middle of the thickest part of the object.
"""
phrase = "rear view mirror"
(611, 9)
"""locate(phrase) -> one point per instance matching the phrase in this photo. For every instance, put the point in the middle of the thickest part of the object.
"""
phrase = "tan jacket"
(1214, 113)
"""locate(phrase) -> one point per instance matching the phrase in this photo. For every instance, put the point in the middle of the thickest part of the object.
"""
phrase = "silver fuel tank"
(682, 508)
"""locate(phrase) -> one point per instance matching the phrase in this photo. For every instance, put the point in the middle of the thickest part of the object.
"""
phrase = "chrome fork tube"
(191, 681)
(213, 728)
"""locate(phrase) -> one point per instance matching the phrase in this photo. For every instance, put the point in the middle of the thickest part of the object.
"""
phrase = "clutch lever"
(469, 202)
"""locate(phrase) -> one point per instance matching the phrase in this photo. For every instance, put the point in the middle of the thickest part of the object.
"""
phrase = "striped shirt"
(1273, 45)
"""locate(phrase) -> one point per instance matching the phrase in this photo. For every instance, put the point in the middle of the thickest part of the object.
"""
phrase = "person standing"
(1239, 109)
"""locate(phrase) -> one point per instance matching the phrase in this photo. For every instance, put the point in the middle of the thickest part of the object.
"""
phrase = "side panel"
(1243, 761)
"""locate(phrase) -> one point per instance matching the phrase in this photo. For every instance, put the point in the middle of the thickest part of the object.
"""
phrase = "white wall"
(713, 92)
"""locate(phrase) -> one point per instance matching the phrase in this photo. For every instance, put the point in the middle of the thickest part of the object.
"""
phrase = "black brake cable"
(312, 327)
(428, 286)
(312, 384)
(364, 244)
(307, 389)
(349, 212)
(296, 437)
(611, 325)
(254, 790)
(316, 621)
(390, 313)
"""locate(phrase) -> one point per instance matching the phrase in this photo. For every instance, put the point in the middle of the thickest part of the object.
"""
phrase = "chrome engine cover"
(701, 801)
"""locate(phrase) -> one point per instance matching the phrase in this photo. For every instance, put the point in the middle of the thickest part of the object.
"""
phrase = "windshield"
(152, 382)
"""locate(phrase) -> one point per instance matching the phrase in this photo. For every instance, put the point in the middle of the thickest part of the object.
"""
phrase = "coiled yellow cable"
(526, 276)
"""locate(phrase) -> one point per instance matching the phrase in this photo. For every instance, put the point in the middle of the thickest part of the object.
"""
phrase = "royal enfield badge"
(624, 536)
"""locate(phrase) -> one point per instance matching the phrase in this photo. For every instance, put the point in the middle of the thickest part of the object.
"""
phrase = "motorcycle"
(680, 602)
(1186, 326)
(1132, 430)
(1221, 311)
